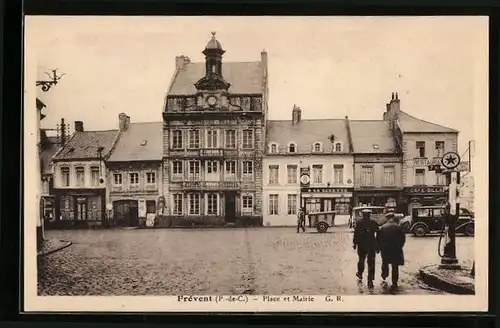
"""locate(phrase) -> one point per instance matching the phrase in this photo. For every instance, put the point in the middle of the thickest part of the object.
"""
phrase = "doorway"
(81, 209)
(126, 212)
(230, 207)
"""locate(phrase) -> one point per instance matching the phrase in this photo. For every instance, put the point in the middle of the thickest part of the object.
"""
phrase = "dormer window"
(292, 148)
(317, 147)
(273, 148)
(144, 142)
(338, 146)
(375, 146)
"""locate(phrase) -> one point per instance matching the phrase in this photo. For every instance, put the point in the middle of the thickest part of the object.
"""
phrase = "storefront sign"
(425, 190)
(422, 162)
(321, 190)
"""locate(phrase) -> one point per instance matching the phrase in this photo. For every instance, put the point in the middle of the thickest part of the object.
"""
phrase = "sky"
(329, 66)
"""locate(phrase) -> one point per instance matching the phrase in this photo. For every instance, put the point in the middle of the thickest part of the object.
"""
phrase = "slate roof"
(84, 145)
(306, 133)
(409, 124)
(129, 147)
(244, 77)
(371, 137)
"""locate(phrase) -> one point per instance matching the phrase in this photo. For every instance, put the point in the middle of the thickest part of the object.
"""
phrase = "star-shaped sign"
(450, 160)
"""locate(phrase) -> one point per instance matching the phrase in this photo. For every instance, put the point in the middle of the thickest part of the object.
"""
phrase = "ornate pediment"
(212, 83)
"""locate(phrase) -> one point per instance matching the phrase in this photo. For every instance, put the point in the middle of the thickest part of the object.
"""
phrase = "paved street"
(220, 261)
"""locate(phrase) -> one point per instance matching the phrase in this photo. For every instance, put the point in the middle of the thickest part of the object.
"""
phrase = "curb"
(443, 284)
(65, 245)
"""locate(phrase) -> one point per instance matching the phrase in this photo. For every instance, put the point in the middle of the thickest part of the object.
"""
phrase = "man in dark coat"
(391, 240)
(301, 220)
(365, 242)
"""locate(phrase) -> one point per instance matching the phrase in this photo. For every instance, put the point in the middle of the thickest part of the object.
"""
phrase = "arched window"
(338, 146)
(292, 148)
(273, 149)
(317, 147)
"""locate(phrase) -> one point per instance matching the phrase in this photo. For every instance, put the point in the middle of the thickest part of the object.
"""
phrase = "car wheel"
(322, 227)
(406, 227)
(469, 230)
(419, 231)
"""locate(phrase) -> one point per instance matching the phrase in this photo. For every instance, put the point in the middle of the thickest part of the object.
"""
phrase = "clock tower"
(213, 81)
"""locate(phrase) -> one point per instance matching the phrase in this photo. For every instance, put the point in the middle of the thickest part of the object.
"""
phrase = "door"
(81, 209)
(230, 208)
(126, 212)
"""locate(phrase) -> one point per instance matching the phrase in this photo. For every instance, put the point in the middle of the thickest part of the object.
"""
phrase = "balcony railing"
(211, 152)
(211, 185)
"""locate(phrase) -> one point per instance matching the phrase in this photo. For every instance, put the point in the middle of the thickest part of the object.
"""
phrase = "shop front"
(384, 198)
(79, 208)
(326, 199)
(425, 196)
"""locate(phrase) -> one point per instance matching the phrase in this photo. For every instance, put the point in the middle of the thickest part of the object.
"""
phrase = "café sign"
(425, 190)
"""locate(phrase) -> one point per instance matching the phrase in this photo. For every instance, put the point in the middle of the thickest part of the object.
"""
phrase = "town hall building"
(213, 137)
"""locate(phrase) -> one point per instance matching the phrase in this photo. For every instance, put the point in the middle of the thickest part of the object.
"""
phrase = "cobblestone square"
(259, 261)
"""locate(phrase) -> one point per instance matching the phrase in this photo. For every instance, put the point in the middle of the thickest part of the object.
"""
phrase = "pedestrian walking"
(391, 240)
(301, 221)
(365, 242)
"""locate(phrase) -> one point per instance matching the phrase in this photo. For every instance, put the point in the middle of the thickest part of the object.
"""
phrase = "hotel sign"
(425, 190)
(422, 162)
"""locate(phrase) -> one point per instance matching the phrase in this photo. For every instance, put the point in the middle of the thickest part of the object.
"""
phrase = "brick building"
(213, 138)
(134, 171)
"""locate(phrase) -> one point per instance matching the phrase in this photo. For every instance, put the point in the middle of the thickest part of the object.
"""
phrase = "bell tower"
(213, 79)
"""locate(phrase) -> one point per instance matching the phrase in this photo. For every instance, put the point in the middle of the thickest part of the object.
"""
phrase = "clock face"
(211, 100)
(304, 179)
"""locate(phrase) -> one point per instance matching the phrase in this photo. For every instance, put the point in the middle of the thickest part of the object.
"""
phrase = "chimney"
(124, 121)
(263, 58)
(182, 61)
(394, 104)
(296, 115)
(62, 138)
(78, 126)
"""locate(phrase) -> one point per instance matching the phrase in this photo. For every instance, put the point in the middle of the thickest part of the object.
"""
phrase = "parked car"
(322, 220)
(428, 219)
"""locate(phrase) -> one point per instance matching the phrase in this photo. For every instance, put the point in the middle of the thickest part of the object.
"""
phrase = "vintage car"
(429, 219)
(378, 213)
(322, 220)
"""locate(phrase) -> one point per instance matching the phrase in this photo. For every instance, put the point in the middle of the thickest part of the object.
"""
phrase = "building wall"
(412, 161)
(282, 188)
(378, 163)
(72, 165)
(245, 184)
(467, 193)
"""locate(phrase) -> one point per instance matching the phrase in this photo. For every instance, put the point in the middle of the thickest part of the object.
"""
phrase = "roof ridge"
(95, 131)
(419, 119)
(147, 122)
(309, 120)
(229, 62)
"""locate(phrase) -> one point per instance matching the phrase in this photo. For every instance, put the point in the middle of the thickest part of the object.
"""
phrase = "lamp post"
(45, 86)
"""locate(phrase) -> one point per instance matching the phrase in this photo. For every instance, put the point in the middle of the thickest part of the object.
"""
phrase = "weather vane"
(54, 78)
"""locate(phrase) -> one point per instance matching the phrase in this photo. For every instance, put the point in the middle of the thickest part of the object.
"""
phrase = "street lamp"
(53, 79)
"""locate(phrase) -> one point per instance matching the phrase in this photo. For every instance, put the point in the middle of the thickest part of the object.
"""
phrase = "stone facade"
(213, 144)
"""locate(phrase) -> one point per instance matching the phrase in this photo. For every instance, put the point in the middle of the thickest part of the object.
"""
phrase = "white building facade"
(324, 148)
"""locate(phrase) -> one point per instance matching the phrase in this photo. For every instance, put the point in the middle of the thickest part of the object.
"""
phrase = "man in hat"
(301, 220)
(391, 240)
(365, 242)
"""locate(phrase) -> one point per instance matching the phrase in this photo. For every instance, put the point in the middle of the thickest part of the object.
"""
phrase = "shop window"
(247, 202)
(194, 204)
(177, 204)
